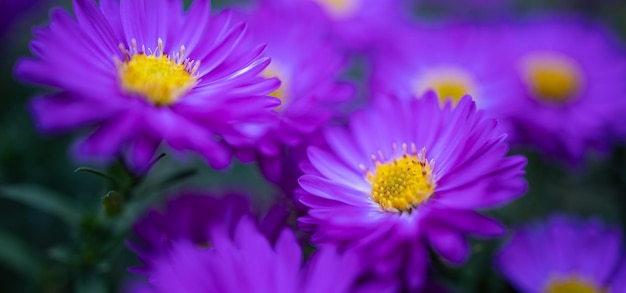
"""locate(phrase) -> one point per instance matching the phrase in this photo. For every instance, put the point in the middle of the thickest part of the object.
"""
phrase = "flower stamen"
(572, 285)
(339, 8)
(281, 92)
(159, 78)
(552, 77)
(449, 82)
(402, 184)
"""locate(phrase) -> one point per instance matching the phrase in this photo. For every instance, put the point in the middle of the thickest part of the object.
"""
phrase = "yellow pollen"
(157, 77)
(572, 285)
(339, 8)
(552, 77)
(281, 92)
(403, 183)
(450, 83)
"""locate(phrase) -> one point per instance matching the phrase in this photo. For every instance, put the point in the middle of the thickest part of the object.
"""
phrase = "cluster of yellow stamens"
(572, 285)
(403, 183)
(450, 83)
(157, 77)
(281, 92)
(552, 77)
(339, 8)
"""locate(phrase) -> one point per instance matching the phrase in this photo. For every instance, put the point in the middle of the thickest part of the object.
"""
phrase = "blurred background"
(56, 237)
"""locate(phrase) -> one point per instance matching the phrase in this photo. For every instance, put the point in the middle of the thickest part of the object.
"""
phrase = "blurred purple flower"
(354, 24)
(144, 72)
(193, 218)
(408, 174)
(308, 67)
(568, 98)
(214, 245)
(452, 60)
(564, 255)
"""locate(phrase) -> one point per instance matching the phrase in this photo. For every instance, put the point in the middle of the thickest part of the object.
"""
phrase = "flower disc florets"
(572, 285)
(159, 78)
(552, 77)
(403, 183)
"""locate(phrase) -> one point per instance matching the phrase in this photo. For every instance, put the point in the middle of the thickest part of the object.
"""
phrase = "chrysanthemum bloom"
(244, 260)
(409, 174)
(355, 24)
(308, 66)
(564, 255)
(454, 61)
(570, 85)
(191, 217)
(144, 72)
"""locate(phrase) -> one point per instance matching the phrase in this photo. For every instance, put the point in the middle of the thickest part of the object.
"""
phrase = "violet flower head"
(569, 94)
(354, 24)
(193, 218)
(308, 66)
(564, 255)
(145, 72)
(244, 260)
(408, 174)
(452, 60)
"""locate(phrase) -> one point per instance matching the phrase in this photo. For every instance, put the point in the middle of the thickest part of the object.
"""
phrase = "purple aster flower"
(569, 82)
(145, 72)
(408, 174)
(452, 60)
(308, 67)
(564, 255)
(245, 260)
(191, 217)
(355, 24)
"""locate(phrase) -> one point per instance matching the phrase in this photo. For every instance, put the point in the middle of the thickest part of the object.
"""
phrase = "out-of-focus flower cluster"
(382, 176)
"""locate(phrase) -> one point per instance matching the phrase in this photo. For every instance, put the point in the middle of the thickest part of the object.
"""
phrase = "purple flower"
(308, 66)
(193, 217)
(242, 259)
(144, 72)
(567, 99)
(564, 255)
(452, 60)
(355, 24)
(405, 175)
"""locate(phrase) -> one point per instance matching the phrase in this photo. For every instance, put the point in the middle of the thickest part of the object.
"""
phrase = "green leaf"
(42, 199)
(19, 256)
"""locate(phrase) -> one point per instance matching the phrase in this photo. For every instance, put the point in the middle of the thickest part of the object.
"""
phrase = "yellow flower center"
(281, 92)
(450, 83)
(339, 8)
(157, 77)
(572, 285)
(403, 183)
(552, 77)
